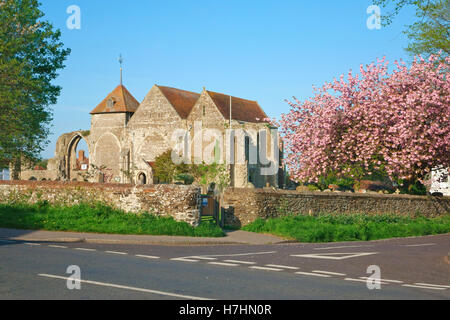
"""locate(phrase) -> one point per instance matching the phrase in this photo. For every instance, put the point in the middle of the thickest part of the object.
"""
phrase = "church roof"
(183, 101)
(119, 100)
(241, 109)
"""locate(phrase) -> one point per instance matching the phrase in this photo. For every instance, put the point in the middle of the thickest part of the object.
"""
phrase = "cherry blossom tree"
(397, 122)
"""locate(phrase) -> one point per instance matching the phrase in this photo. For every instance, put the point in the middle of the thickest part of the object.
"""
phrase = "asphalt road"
(412, 268)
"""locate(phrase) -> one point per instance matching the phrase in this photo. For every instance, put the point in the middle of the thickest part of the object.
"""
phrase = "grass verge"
(97, 218)
(331, 228)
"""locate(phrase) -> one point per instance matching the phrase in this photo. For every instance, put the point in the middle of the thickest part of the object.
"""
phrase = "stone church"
(126, 137)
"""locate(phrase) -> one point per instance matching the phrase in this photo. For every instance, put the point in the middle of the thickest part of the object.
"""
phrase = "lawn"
(332, 228)
(97, 218)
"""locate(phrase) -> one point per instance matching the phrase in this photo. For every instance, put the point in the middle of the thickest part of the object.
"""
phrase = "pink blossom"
(399, 120)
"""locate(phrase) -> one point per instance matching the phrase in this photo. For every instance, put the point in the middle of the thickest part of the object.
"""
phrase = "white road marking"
(32, 244)
(104, 284)
(239, 254)
(148, 257)
(265, 268)
(357, 280)
(116, 252)
(330, 273)
(384, 280)
(224, 264)
(85, 249)
(432, 285)
(281, 266)
(340, 247)
(239, 261)
(362, 280)
(184, 260)
(313, 274)
(55, 246)
(422, 287)
(333, 256)
(419, 245)
(202, 258)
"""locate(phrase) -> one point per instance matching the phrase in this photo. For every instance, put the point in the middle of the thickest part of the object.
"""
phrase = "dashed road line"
(202, 258)
(116, 252)
(422, 287)
(148, 257)
(104, 284)
(32, 244)
(265, 268)
(240, 254)
(281, 266)
(241, 262)
(330, 273)
(341, 247)
(224, 264)
(313, 274)
(383, 280)
(85, 249)
(356, 280)
(418, 245)
(432, 285)
(334, 255)
(56, 246)
(365, 281)
(184, 260)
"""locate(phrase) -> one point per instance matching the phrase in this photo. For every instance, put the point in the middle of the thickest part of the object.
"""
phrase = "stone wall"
(245, 205)
(180, 202)
(39, 175)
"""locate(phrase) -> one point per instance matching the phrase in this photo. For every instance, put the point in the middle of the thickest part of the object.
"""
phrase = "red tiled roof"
(183, 101)
(123, 102)
(241, 109)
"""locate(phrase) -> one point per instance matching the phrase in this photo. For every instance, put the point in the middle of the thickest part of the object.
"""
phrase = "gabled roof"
(241, 109)
(183, 101)
(122, 101)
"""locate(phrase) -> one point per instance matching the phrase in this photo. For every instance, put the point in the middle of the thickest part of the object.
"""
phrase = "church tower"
(108, 125)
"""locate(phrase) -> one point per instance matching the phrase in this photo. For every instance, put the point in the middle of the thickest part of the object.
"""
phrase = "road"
(411, 268)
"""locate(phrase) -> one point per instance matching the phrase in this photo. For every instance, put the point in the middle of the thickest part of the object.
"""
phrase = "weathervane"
(120, 61)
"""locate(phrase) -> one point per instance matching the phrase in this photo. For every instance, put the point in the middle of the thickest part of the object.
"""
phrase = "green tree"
(165, 171)
(31, 54)
(431, 32)
(206, 174)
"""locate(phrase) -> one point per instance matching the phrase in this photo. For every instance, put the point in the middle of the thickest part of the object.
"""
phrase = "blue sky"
(267, 51)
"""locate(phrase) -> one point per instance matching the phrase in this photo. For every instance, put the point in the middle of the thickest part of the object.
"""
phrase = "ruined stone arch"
(70, 153)
(65, 158)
